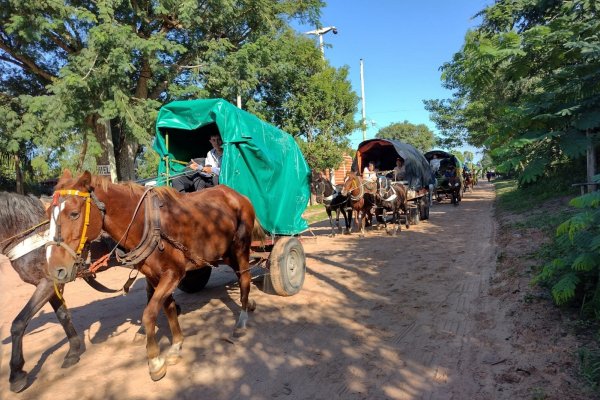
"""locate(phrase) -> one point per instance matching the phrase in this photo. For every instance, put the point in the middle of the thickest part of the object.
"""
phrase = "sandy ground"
(422, 315)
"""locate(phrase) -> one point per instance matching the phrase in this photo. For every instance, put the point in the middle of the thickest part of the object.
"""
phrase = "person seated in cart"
(205, 174)
(435, 164)
(370, 178)
(399, 170)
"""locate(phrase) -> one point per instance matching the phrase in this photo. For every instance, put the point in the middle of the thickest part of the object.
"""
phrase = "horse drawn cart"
(448, 173)
(259, 161)
(417, 176)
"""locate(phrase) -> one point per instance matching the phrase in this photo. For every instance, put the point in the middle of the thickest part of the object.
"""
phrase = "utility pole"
(320, 33)
(362, 95)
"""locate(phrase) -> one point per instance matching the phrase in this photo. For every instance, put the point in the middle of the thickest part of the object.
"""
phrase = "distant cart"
(261, 162)
(443, 187)
(418, 178)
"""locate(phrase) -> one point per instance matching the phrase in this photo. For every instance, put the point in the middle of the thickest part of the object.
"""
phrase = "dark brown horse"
(391, 197)
(166, 234)
(455, 185)
(333, 200)
(360, 202)
(23, 233)
(26, 250)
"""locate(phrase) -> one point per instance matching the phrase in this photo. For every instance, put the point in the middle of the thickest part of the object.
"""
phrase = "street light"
(320, 32)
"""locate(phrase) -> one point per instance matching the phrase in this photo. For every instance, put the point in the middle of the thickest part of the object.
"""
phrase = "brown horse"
(23, 228)
(171, 234)
(360, 202)
(468, 182)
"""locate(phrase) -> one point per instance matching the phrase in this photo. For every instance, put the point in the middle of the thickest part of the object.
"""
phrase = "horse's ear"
(85, 180)
(66, 174)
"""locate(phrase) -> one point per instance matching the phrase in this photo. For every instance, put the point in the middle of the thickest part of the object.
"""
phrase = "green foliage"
(73, 70)
(420, 136)
(147, 164)
(526, 86)
(589, 366)
(578, 265)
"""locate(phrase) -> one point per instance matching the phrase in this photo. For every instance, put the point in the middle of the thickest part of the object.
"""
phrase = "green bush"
(573, 276)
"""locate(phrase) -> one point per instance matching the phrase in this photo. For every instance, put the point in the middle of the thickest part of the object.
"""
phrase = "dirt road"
(380, 317)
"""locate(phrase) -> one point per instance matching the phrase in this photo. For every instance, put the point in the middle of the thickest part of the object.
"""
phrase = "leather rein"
(151, 237)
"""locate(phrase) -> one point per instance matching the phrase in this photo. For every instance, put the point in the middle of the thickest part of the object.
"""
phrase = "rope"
(26, 231)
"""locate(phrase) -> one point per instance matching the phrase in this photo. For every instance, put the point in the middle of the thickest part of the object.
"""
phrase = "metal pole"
(362, 93)
(239, 101)
(321, 45)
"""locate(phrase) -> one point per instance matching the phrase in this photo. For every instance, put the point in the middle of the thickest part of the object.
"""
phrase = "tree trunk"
(83, 152)
(126, 159)
(19, 176)
(591, 161)
(103, 133)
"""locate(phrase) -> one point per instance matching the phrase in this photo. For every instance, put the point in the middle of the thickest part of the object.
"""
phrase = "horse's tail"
(258, 233)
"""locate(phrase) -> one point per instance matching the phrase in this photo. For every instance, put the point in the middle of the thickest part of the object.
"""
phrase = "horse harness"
(355, 186)
(329, 198)
(151, 237)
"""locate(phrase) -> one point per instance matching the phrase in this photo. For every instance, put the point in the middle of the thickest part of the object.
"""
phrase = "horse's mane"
(18, 212)
(163, 192)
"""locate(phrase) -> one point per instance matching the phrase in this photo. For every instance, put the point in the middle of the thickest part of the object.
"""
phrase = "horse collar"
(151, 237)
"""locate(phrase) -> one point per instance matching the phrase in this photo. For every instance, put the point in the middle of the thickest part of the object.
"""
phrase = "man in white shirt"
(206, 175)
(435, 164)
(399, 170)
(212, 165)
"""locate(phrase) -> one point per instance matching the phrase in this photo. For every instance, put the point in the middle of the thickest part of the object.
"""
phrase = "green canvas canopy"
(260, 161)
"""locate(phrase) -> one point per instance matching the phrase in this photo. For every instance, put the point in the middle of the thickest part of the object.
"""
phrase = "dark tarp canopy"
(260, 161)
(384, 152)
(444, 155)
(446, 160)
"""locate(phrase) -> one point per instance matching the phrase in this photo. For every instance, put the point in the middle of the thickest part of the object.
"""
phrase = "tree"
(526, 85)
(299, 92)
(91, 75)
(420, 136)
(468, 156)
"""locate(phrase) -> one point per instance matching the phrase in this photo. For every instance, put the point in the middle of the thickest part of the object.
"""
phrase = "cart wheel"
(195, 280)
(424, 211)
(287, 266)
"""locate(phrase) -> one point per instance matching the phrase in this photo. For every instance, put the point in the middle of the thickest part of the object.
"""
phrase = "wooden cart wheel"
(287, 266)
(195, 280)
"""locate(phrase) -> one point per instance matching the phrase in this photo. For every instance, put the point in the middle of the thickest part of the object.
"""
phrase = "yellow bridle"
(86, 220)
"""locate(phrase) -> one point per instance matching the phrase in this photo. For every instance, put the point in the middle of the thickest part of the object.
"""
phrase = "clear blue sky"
(402, 43)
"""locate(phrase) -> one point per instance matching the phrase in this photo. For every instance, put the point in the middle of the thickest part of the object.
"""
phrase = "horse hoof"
(158, 368)
(19, 383)
(238, 333)
(171, 360)
(139, 339)
(174, 353)
(251, 305)
(69, 361)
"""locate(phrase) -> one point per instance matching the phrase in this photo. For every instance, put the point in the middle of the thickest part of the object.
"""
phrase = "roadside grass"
(529, 203)
(589, 366)
(516, 199)
(315, 213)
